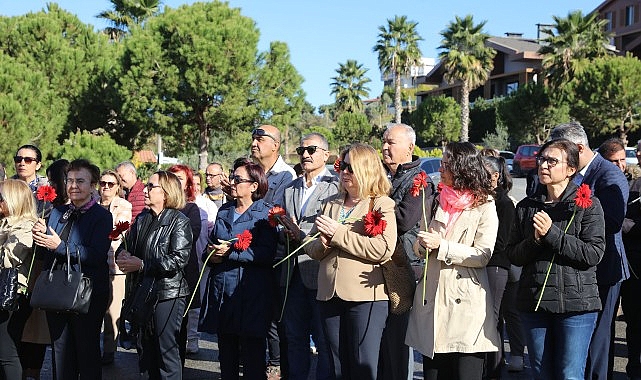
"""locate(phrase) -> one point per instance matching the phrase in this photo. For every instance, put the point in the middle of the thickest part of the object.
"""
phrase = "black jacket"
(164, 243)
(571, 286)
(505, 212)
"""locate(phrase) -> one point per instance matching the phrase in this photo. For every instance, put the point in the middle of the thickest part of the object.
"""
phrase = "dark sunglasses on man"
(310, 149)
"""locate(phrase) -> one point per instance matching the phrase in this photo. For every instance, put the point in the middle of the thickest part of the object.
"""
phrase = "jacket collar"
(402, 168)
(227, 214)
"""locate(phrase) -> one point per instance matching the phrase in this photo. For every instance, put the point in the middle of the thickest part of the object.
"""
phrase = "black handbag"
(9, 289)
(139, 306)
(62, 290)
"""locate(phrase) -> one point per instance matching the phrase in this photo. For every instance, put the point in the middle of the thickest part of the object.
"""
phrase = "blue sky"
(322, 34)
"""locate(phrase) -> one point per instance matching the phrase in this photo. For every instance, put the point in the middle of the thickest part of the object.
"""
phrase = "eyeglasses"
(552, 162)
(27, 160)
(150, 186)
(344, 165)
(107, 184)
(238, 179)
(310, 149)
(76, 181)
(209, 175)
(262, 133)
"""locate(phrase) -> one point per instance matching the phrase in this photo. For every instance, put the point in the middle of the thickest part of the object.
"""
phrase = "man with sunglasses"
(302, 201)
(265, 149)
(395, 361)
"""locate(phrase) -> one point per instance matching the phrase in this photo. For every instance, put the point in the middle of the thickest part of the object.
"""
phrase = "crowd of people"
(275, 262)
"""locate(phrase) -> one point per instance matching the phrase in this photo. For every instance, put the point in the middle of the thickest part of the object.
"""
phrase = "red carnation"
(274, 215)
(119, 229)
(374, 223)
(583, 196)
(244, 239)
(337, 165)
(419, 183)
(46, 193)
(439, 187)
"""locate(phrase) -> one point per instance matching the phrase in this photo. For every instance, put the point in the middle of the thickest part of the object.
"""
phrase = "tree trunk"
(398, 107)
(203, 145)
(465, 112)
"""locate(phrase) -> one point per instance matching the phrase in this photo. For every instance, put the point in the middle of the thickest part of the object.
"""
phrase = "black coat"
(505, 212)
(164, 243)
(571, 286)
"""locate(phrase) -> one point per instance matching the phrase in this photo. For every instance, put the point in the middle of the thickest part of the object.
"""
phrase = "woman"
(111, 198)
(158, 246)
(351, 288)
(499, 265)
(452, 322)
(80, 228)
(189, 331)
(238, 302)
(558, 242)
(18, 210)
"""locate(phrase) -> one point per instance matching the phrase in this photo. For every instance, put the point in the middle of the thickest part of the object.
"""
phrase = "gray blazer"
(291, 202)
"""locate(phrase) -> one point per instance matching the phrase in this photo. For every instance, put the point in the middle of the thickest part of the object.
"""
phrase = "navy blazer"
(610, 186)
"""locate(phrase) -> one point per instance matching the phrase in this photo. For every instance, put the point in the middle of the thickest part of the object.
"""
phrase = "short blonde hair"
(368, 170)
(19, 199)
(121, 191)
(174, 194)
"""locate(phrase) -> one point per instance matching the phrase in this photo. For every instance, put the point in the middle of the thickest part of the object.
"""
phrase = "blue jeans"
(302, 319)
(558, 343)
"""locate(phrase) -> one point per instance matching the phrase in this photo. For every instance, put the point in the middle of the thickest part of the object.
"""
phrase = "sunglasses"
(107, 184)
(262, 133)
(310, 149)
(238, 179)
(150, 186)
(209, 175)
(344, 165)
(27, 160)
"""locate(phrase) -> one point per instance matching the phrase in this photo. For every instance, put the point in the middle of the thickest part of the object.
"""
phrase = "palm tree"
(466, 60)
(127, 13)
(349, 87)
(577, 39)
(397, 49)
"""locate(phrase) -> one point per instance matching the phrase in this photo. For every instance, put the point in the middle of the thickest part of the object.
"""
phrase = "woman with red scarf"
(452, 320)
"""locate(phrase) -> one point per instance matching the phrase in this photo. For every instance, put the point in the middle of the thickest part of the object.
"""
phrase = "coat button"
(458, 276)
(448, 261)
(458, 300)
(335, 265)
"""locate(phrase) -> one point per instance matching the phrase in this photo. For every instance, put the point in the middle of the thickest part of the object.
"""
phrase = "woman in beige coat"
(451, 322)
(354, 301)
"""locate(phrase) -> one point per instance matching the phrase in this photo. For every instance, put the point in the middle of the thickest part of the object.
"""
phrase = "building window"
(608, 26)
(629, 15)
(511, 87)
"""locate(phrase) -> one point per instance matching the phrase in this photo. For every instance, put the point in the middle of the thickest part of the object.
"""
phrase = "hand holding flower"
(542, 224)
(429, 239)
(43, 239)
(128, 263)
(327, 227)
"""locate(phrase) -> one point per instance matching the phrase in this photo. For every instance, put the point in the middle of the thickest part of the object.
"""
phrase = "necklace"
(344, 214)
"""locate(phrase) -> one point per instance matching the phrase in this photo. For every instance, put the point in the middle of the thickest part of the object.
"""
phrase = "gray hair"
(409, 131)
(323, 141)
(572, 131)
(127, 164)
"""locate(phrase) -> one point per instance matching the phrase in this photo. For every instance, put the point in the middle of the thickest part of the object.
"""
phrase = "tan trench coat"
(457, 315)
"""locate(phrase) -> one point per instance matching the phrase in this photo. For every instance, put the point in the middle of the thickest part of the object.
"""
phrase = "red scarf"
(453, 202)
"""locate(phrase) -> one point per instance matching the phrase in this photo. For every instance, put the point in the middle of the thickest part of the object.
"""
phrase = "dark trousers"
(233, 348)
(630, 290)
(601, 353)
(75, 341)
(159, 353)
(353, 331)
(454, 366)
(10, 367)
(276, 339)
(32, 355)
(394, 358)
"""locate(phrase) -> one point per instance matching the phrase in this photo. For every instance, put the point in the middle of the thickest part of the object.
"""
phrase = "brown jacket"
(350, 266)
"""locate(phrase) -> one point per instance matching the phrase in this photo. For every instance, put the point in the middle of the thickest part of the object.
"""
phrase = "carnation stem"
(296, 250)
(282, 311)
(427, 251)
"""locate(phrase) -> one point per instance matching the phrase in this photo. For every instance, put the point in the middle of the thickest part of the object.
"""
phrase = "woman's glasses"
(344, 165)
(310, 149)
(107, 184)
(552, 162)
(27, 160)
(150, 186)
(238, 179)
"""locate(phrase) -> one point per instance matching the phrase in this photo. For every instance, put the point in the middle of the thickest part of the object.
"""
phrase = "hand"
(326, 226)
(128, 263)
(429, 240)
(542, 224)
(41, 238)
(40, 226)
(291, 229)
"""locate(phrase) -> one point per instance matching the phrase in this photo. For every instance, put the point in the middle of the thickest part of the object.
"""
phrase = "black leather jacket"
(164, 243)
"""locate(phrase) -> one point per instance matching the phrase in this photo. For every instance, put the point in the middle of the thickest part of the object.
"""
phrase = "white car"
(631, 156)
(430, 165)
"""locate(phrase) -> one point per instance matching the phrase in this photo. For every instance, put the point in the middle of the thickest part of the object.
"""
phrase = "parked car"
(631, 156)
(509, 158)
(524, 159)
(430, 165)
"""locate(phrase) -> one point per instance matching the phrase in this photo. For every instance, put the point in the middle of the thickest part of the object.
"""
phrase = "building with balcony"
(624, 23)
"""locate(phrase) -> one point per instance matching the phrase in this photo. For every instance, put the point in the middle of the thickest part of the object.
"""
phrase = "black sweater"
(505, 212)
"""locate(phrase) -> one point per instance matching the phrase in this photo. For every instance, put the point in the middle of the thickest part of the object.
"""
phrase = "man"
(133, 187)
(265, 148)
(303, 198)
(613, 150)
(395, 361)
(609, 185)
(214, 189)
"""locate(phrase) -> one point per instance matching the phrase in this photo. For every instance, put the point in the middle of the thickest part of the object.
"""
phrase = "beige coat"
(16, 245)
(120, 210)
(350, 266)
(458, 314)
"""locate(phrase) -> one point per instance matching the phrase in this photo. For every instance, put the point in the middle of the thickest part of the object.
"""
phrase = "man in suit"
(302, 201)
(610, 186)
